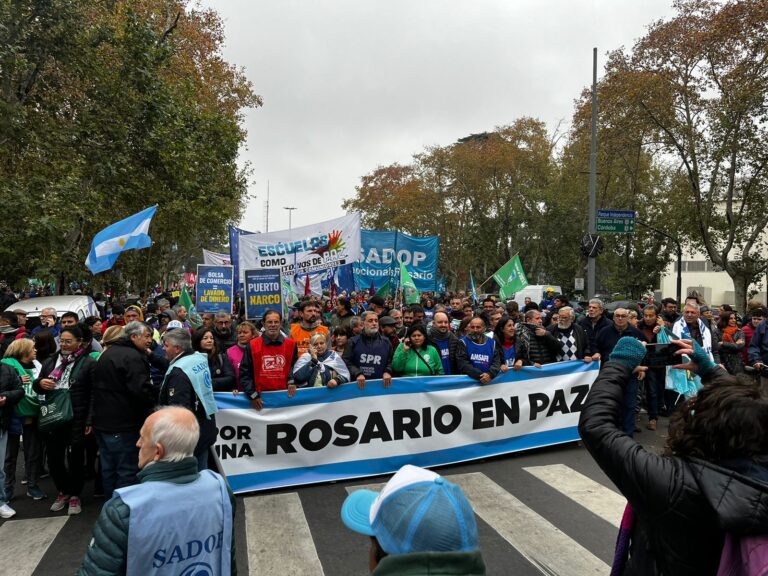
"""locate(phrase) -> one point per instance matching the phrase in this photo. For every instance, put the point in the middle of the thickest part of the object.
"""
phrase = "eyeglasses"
(621, 315)
(45, 316)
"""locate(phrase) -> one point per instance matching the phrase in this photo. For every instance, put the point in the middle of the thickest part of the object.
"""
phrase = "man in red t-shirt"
(268, 362)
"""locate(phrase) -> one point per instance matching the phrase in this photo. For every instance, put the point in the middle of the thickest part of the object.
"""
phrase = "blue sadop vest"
(179, 529)
(195, 366)
(443, 347)
(480, 355)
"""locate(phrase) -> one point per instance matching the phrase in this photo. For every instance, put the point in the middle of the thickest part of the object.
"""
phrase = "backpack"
(744, 556)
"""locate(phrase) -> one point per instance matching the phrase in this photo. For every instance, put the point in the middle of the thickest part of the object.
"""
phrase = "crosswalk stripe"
(542, 543)
(545, 546)
(25, 542)
(595, 497)
(271, 521)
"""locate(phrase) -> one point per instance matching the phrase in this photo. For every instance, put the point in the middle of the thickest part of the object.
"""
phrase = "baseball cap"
(416, 511)
(174, 324)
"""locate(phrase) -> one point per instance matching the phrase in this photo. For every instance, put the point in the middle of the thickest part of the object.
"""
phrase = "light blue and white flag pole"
(129, 234)
(472, 288)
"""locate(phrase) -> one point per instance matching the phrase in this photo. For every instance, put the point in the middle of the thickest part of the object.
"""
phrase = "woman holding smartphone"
(416, 356)
(702, 503)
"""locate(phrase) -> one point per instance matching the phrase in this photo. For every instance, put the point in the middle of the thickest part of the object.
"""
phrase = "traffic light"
(592, 245)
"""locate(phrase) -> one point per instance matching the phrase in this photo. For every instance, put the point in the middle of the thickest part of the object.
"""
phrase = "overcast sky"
(350, 85)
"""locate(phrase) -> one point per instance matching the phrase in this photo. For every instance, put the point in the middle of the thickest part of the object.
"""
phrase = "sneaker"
(59, 503)
(651, 425)
(35, 493)
(74, 506)
(24, 482)
(6, 511)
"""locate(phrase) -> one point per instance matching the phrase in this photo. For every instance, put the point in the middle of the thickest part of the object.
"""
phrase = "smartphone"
(660, 355)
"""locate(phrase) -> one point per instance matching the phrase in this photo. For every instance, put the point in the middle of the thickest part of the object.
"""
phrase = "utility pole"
(591, 265)
(266, 211)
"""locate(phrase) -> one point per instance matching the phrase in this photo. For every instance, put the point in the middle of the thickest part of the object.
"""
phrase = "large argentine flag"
(129, 234)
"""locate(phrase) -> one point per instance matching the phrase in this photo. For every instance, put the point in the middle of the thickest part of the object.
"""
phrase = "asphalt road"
(545, 511)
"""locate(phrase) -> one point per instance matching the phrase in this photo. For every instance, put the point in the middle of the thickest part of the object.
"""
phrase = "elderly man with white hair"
(177, 520)
(690, 326)
(574, 342)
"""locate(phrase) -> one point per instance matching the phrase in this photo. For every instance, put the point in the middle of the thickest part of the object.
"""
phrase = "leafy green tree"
(110, 108)
(699, 82)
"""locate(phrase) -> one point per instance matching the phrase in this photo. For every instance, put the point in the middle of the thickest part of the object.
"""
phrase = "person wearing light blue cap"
(419, 524)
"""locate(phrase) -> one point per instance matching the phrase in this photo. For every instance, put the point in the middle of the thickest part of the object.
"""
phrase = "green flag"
(510, 277)
(289, 296)
(193, 318)
(410, 294)
(386, 290)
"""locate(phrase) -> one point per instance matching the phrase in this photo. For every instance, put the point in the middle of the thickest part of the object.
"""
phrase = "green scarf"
(29, 405)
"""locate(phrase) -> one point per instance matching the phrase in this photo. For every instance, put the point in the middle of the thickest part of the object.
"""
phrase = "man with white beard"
(574, 342)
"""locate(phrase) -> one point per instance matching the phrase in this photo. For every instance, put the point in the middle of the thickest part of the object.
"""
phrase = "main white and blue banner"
(382, 251)
(326, 434)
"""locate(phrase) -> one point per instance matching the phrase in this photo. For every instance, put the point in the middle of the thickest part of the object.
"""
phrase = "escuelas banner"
(303, 250)
(327, 434)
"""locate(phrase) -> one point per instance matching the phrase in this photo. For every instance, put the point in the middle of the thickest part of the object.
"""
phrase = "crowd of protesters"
(148, 353)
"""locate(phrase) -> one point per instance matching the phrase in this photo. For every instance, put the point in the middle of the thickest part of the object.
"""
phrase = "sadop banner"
(262, 292)
(303, 250)
(213, 289)
(324, 434)
(382, 253)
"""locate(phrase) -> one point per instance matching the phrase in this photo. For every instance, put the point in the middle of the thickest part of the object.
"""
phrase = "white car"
(83, 306)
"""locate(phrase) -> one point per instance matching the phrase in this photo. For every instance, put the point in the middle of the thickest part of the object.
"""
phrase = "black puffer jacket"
(122, 395)
(10, 387)
(682, 506)
(80, 393)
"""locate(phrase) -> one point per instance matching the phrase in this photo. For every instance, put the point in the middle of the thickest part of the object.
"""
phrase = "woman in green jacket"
(416, 356)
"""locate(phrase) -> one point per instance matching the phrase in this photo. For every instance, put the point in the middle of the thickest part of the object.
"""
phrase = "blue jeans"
(654, 392)
(119, 460)
(3, 444)
(630, 403)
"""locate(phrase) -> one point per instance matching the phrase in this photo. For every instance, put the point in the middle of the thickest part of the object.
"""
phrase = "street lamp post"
(290, 212)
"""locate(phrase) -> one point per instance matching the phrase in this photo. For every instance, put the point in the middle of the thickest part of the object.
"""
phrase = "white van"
(83, 306)
(535, 292)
